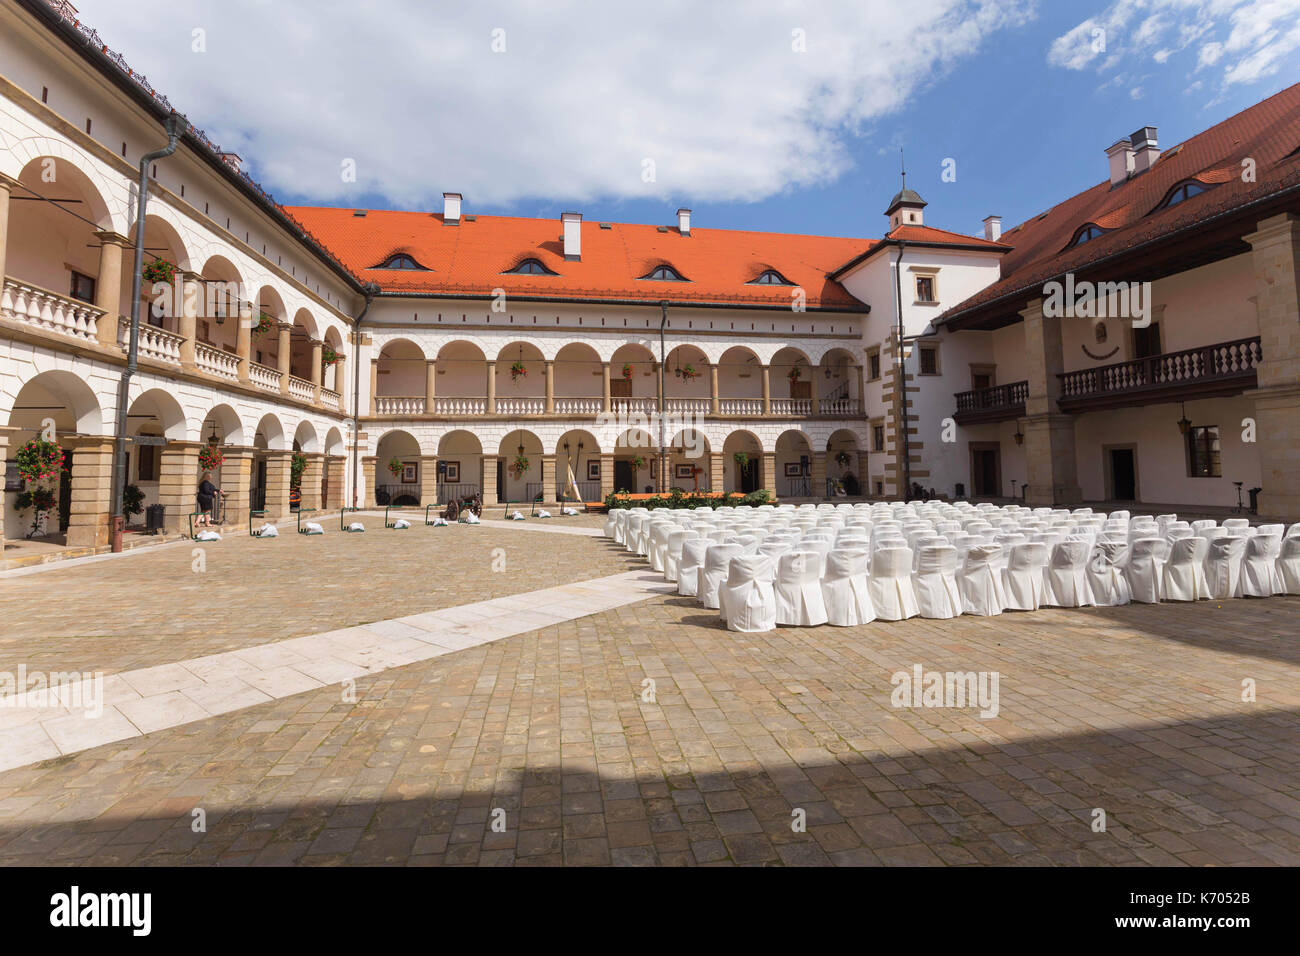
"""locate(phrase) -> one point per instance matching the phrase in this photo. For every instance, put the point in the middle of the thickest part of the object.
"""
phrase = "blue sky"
(775, 115)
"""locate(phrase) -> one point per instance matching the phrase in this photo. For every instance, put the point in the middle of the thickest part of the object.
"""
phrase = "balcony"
(47, 311)
(1226, 368)
(1000, 403)
(152, 342)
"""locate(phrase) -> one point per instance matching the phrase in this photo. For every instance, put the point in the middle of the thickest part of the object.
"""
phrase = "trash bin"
(154, 518)
(1254, 500)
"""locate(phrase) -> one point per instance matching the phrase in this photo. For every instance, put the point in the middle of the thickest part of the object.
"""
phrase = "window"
(83, 287)
(400, 261)
(771, 277)
(929, 359)
(530, 267)
(666, 273)
(1181, 192)
(1203, 452)
(147, 462)
(981, 380)
(873, 364)
(877, 437)
(925, 289)
(1086, 234)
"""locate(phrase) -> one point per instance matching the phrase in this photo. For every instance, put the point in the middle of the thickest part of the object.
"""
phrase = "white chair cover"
(747, 600)
(891, 584)
(1106, 574)
(980, 581)
(935, 582)
(658, 545)
(1184, 572)
(1223, 566)
(1145, 569)
(1260, 575)
(798, 590)
(1288, 564)
(688, 568)
(673, 553)
(1022, 578)
(845, 591)
(1067, 574)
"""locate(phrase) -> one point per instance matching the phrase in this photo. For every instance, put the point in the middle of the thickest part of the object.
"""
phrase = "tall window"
(877, 437)
(83, 287)
(929, 359)
(1203, 452)
(925, 289)
(873, 363)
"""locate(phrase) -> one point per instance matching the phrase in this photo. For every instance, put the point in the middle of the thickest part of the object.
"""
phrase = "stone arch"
(792, 446)
(578, 371)
(334, 442)
(61, 395)
(225, 422)
(269, 433)
(304, 438)
(159, 408)
(738, 478)
(401, 369)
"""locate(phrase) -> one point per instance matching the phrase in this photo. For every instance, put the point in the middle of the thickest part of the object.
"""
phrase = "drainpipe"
(370, 290)
(175, 125)
(663, 459)
(904, 418)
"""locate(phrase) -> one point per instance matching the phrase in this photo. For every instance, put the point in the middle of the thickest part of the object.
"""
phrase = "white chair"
(673, 555)
(1183, 578)
(632, 531)
(980, 581)
(717, 560)
(1022, 578)
(1223, 566)
(1067, 574)
(747, 600)
(1288, 564)
(1145, 569)
(657, 550)
(688, 568)
(890, 584)
(798, 589)
(845, 591)
(1106, 578)
(934, 582)
(1236, 523)
(1260, 575)
(1292, 531)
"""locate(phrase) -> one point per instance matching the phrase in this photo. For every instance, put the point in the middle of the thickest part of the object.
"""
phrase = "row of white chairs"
(853, 564)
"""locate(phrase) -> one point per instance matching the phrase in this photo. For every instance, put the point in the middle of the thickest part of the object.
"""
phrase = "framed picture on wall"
(410, 472)
(654, 467)
(593, 470)
(452, 472)
(12, 481)
(793, 469)
(684, 471)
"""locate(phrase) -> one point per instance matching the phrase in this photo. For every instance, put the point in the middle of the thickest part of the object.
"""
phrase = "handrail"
(1206, 363)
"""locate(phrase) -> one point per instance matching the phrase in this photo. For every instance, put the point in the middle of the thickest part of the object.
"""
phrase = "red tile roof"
(1268, 133)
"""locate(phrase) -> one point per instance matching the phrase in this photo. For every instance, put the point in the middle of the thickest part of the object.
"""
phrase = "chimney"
(993, 228)
(1121, 161)
(232, 160)
(684, 221)
(1145, 150)
(451, 209)
(572, 235)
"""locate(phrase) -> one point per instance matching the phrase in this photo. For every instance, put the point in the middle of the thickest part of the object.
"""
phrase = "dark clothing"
(207, 495)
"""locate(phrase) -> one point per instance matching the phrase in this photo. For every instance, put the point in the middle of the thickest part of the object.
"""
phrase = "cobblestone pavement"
(152, 607)
(1135, 711)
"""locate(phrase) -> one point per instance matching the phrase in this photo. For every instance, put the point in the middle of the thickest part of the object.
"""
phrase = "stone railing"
(263, 377)
(216, 361)
(578, 406)
(301, 389)
(459, 407)
(153, 343)
(521, 406)
(48, 311)
(689, 406)
(840, 407)
(399, 404)
(791, 406)
(331, 398)
(645, 406)
(740, 406)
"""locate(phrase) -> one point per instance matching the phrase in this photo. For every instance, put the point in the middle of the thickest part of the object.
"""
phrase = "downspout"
(175, 125)
(663, 458)
(369, 290)
(902, 375)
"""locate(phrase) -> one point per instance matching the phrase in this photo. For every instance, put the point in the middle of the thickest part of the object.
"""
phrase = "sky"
(774, 115)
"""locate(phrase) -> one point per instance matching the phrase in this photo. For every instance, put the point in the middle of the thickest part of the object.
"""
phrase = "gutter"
(864, 309)
(903, 417)
(369, 290)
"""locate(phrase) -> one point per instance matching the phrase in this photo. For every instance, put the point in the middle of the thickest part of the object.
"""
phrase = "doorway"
(65, 492)
(986, 469)
(624, 475)
(1121, 477)
(501, 480)
(747, 476)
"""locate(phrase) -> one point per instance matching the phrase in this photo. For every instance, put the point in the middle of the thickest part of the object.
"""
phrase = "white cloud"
(1249, 39)
(585, 92)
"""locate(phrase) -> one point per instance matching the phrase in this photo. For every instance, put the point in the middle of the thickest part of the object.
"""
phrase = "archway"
(520, 457)
(520, 380)
(461, 387)
(400, 379)
(633, 379)
(740, 382)
(579, 388)
(742, 463)
(397, 470)
(794, 466)
(460, 465)
(635, 465)
(577, 466)
(845, 463)
(688, 461)
(838, 385)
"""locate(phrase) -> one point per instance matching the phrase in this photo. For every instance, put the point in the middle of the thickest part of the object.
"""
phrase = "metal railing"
(456, 490)
(1221, 362)
(996, 397)
(396, 493)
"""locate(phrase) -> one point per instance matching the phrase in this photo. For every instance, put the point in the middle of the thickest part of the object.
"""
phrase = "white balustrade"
(520, 406)
(740, 406)
(841, 407)
(153, 342)
(301, 389)
(263, 377)
(216, 361)
(791, 406)
(399, 404)
(644, 406)
(455, 407)
(48, 311)
(331, 398)
(578, 406)
(690, 406)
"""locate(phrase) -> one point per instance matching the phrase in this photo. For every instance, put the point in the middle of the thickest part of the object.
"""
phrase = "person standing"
(207, 497)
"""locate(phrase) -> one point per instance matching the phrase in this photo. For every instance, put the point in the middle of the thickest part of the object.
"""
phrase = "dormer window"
(530, 267)
(1086, 234)
(400, 261)
(770, 277)
(665, 273)
(1181, 192)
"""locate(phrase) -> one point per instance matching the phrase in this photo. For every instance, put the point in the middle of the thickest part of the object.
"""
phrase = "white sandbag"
(356, 526)
(268, 530)
(516, 516)
(568, 511)
(207, 535)
(470, 517)
(311, 527)
(401, 523)
(543, 514)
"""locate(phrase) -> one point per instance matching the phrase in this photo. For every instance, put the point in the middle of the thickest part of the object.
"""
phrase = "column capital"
(112, 238)
(7, 182)
(284, 325)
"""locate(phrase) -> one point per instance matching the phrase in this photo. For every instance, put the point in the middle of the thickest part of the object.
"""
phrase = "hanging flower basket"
(210, 458)
(297, 466)
(517, 371)
(519, 465)
(39, 460)
(328, 356)
(159, 270)
(741, 458)
(395, 466)
(842, 459)
(794, 374)
(627, 372)
(689, 373)
(263, 324)
(638, 462)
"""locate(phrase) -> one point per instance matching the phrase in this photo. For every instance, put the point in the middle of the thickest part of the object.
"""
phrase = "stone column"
(489, 479)
(717, 472)
(374, 386)
(767, 479)
(816, 391)
(108, 285)
(549, 492)
(91, 479)
(237, 483)
(491, 390)
(1275, 255)
(311, 478)
(430, 385)
(549, 407)
(370, 472)
(767, 390)
(283, 357)
(191, 294)
(279, 474)
(341, 384)
(1049, 435)
(6, 185)
(606, 470)
(862, 392)
(605, 396)
(817, 475)
(178, 484)
(336, 470)
(4, 432)
(248, 317)
(713, 388)
(317, 346)
(428, 479)
(864, 475)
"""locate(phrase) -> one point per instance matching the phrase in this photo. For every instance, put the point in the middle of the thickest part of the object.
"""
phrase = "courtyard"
(528, 694)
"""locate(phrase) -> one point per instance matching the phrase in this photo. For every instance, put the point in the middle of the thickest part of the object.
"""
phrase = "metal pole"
(902, 378)
(370, 290)
(663, 459)
(175, 125)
